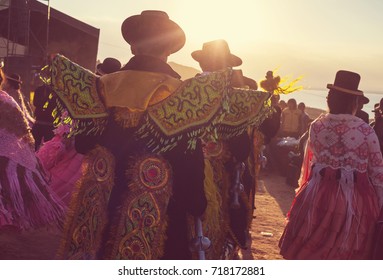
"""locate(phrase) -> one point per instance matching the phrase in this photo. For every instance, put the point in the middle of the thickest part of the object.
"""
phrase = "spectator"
(360, 113)
(291, 120)
(305, 118)
(377, 124)
(282, 104)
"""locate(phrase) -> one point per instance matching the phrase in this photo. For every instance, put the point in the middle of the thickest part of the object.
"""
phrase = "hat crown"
(217, 47)
(109, 65)
(215, 51)
(155, 13)
(347, 80)
(153, 28)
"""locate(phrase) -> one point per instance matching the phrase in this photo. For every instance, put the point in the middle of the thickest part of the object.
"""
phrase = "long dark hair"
(341, 103)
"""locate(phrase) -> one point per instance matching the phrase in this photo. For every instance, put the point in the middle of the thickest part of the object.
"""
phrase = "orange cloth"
(136, 90)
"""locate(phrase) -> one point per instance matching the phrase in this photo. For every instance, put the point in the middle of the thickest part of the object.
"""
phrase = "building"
(28, 36)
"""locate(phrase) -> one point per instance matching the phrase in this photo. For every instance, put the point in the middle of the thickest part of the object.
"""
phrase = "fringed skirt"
(63, 167)
(25, 199)
(333, 216)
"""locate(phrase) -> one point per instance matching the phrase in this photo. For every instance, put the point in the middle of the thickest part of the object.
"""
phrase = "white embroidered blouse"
(344, 142)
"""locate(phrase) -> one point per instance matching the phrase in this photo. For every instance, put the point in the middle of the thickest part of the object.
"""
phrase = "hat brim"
(12, 79)
(365, 99)
(144, 29)
(99, 69)
(345, 90)
(201, 56)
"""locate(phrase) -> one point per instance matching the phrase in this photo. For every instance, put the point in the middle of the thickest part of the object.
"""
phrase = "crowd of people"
(131, 162)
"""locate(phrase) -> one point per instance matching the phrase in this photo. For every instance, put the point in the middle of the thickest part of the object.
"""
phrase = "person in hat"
(108, 66)
(44, 102)
(57, 154)
(147, 78)
(377, 124)
(12, 85)
(363, 100)
(26, 201)
(215, 55)
(336, 207)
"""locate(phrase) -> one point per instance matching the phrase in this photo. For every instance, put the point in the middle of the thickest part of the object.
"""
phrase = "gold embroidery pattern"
(140, 233)
(87, 214)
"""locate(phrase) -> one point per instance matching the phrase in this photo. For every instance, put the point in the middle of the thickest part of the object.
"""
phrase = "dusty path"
(273, 200)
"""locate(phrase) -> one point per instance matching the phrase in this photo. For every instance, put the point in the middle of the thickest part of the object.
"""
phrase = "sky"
(309, 38)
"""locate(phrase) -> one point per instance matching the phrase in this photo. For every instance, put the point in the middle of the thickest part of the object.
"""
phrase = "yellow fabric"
(136, 90)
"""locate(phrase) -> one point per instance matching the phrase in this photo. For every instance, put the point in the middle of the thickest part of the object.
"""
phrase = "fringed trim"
(212, 218)
(84, 126)
(25, 200)
(87, 214)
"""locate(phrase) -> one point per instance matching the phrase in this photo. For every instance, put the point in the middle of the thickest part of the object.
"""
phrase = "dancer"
(144, 170)
(26, 201)
(336, 209)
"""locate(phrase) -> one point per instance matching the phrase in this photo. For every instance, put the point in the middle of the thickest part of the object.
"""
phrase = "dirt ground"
(273, 200)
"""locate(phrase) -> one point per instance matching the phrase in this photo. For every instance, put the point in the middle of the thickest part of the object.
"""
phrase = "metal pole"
(47, 35)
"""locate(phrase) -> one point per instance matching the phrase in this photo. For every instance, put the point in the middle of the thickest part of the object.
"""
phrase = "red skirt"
(331, 218)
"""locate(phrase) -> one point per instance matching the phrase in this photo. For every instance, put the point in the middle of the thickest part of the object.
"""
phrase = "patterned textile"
(204, 103)
(141, 222)
(87, 215)
(190, 110)
(336, 208)
(200, 104)
(246, 108)
(76, 88)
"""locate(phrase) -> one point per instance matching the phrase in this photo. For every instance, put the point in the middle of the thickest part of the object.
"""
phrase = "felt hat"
(346, 82)
(216, 49)
(153, 28)
(109, 65)
(364, 99)
(14, 77)
(378, 106)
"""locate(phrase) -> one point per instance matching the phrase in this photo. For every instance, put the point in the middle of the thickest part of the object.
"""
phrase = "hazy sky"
(313, 38)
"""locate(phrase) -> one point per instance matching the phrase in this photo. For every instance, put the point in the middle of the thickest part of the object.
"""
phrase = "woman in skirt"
(336, 208)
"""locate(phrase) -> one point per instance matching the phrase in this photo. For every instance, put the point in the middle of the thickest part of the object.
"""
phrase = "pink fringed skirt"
(332, 217)
(25, 199)
(62, 165)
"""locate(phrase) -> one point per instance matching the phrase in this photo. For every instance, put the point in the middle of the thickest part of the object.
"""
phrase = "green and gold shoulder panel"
(77, 89)
(193, 108)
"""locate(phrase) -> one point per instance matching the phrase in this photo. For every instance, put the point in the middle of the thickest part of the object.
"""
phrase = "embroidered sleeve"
(77, 92)
(375, 165)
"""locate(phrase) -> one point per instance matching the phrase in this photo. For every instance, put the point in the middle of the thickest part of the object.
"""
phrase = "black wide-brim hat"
(218, 48)
(346, 82)
(151, 28)
(14, 77)
(109, 65)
